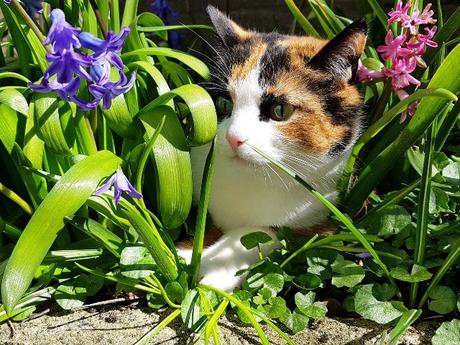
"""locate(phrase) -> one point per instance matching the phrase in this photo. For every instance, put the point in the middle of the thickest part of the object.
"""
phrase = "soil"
(124, 325)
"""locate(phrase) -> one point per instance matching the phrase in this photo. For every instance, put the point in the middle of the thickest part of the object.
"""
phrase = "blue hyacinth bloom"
(168, 16)
(104, 88)
(120, 185)
(69, 67)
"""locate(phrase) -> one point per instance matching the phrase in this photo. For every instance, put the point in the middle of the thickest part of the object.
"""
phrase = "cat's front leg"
(225, 257)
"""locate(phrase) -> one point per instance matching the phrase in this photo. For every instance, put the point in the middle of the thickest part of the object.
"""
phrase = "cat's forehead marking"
(241, 70)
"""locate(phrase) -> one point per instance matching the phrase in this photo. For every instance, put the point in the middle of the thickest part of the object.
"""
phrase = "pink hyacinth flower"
(365, 75)
(400, 73)
(410, 110)
(418, 44)
(399, 13)
(427, 16)
(393, 47)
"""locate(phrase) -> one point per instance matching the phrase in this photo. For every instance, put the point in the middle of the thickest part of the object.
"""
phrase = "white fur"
(250, 195)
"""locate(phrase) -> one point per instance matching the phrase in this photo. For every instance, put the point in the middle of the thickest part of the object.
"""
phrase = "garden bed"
(127, 324)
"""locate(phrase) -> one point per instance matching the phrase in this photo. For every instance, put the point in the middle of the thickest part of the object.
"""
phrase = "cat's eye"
(281, 111)
(224, 105)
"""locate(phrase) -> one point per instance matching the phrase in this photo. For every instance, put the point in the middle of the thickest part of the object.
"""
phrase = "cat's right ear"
(230, 32)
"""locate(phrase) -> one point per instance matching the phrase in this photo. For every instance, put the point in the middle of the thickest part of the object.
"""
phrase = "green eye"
(281, 112)
(224, 106)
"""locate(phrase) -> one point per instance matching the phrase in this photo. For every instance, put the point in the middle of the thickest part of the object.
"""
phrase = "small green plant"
(96, 181)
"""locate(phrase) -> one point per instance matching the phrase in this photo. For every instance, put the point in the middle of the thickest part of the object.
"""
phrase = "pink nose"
(235, 141)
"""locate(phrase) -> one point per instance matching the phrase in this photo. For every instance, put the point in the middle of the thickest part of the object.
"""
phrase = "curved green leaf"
(173, 167)
(48, 124)
(66, 197)
(15, 100)
(119, 118)
(201, 109)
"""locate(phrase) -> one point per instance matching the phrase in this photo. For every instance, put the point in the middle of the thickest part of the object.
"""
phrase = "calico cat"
(294, 98)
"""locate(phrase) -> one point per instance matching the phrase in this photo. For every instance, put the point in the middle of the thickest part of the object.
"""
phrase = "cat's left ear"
(341, 55)
(230, 32)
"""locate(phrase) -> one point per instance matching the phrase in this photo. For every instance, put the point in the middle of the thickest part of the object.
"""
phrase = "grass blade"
(198, 240)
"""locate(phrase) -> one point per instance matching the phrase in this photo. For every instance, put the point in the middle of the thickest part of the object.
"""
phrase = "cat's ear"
(341, 55)
(230, 32)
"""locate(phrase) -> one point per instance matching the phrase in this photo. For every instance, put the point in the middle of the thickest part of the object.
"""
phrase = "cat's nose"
(235, 141)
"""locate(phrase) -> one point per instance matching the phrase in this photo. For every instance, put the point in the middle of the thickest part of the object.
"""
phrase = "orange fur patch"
(210, 237)
(314, 131)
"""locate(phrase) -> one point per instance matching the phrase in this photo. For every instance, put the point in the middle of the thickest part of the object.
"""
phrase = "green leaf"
(307, 305)
(175, 291)
(383, 292)
(295, 321)
(66, 197)
(120, 119)
(202, 112)
(389, 221)
(346, 273)
(370, 308)
(15, 100)
(190, 311)
(136, 262)
(452, 173)
(448, 333)
(443, 300)
(48, 123)
(253, 239)
(417, 274)
(276, 307)
(171, 159)
(274, 282)
(9, 127)
(69, 296)
(300, 18)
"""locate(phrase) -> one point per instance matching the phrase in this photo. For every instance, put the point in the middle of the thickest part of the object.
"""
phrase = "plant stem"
(84, 134)
(115, 15)
(300, 250)
(16, 199)
(158, 284)
(29, 21)
(422, 210)
(99, 19)
(245, 309)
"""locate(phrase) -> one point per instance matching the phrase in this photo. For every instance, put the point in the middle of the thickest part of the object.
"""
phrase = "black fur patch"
(274, 60)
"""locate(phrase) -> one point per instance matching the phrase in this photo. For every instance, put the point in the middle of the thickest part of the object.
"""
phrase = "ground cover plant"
(97, 117)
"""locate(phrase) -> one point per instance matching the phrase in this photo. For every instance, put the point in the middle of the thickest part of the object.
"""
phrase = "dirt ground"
(125, 325)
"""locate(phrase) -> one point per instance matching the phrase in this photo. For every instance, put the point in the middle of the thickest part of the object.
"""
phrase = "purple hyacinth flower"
(104, 88)
(62, 36)
(66, 65)
(121, 185)
(108, 49)
(364, 255)
(164, 11)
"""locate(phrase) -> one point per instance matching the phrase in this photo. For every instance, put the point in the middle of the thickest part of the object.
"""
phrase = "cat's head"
(286, 95)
